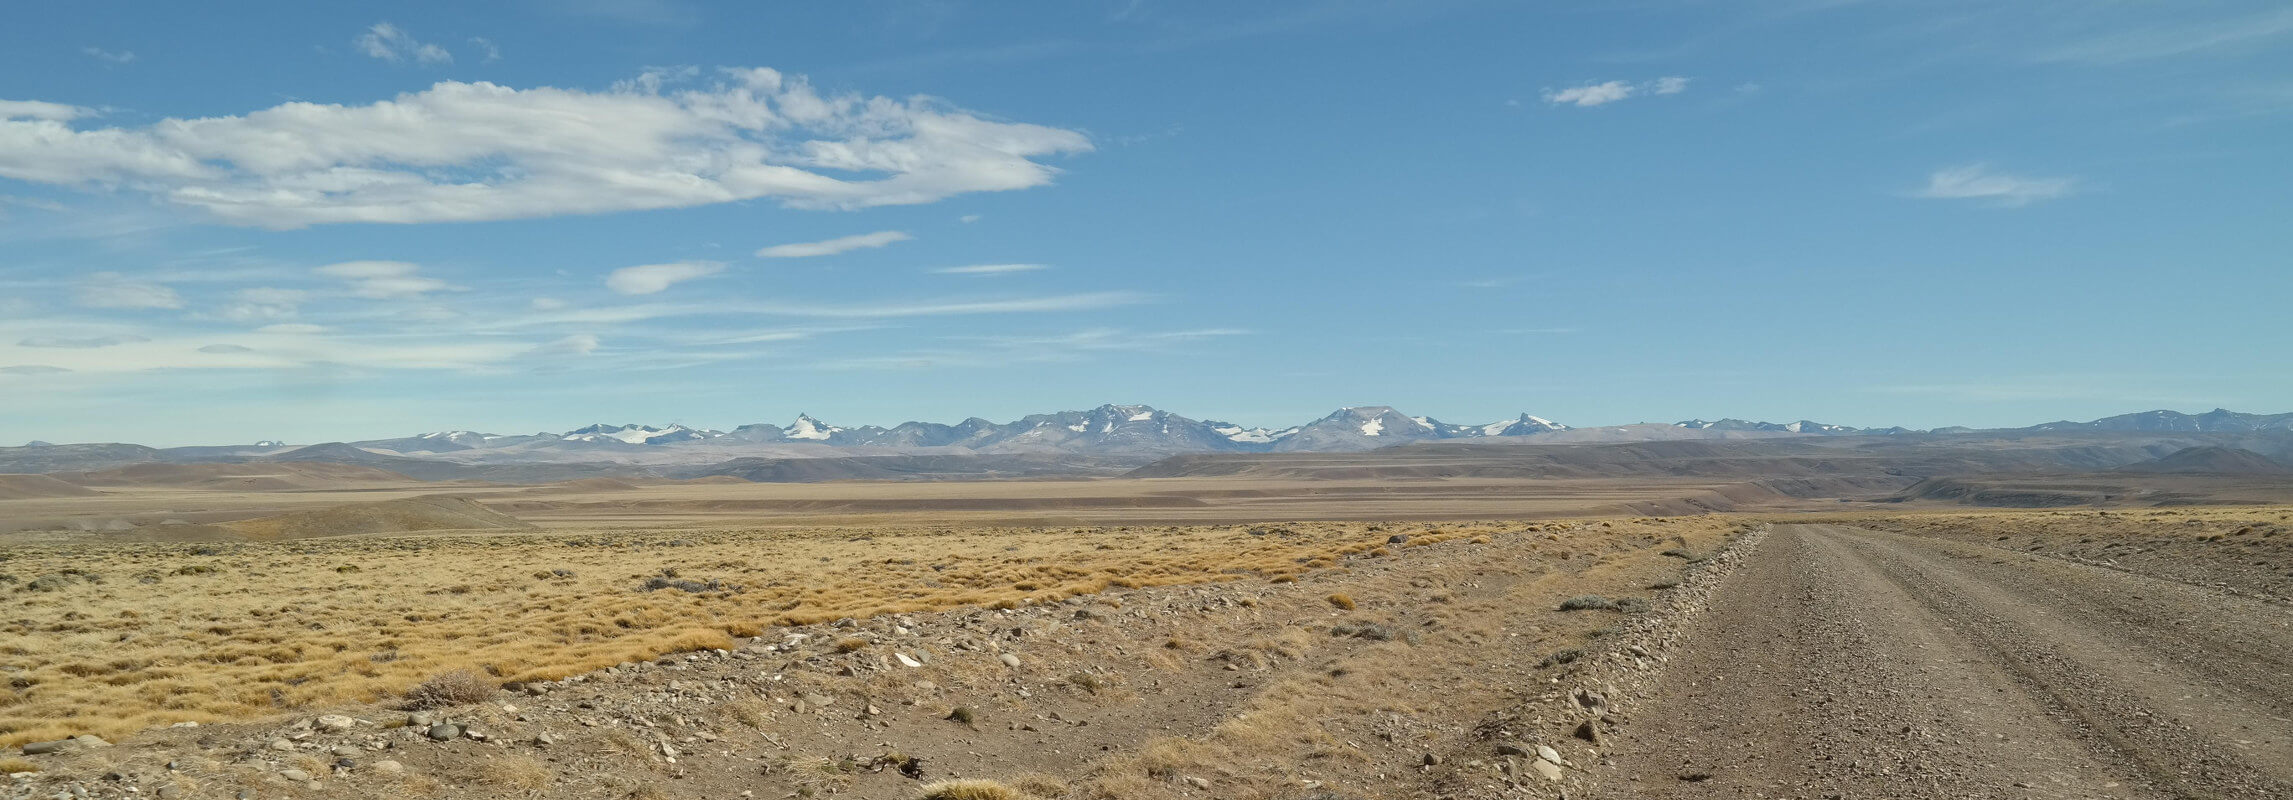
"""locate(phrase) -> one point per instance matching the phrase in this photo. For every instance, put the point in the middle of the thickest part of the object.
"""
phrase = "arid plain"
(1364, 626)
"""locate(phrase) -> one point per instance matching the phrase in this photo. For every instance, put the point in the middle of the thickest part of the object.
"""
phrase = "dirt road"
(1846, 663)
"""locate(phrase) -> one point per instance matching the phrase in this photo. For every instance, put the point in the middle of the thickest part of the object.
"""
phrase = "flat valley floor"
(1412, 642)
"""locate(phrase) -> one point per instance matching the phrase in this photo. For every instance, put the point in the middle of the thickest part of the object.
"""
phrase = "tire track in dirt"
(1848, 663)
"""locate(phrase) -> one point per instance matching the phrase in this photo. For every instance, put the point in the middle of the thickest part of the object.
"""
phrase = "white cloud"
(1605, 92)
(393, 44)
(831, 247)
(113, 56)
(990, 269)
(384, 280)
(292, 328)
(493, 51)
(1977, 182)
(580, 344)
(111, 290)
(39, 110)
(226, 349)
(1590, 95)
(547, 304)
(83, 343)
(969, 218)
(652, 278)
(32, 369)
(261, 303)
(481, 151)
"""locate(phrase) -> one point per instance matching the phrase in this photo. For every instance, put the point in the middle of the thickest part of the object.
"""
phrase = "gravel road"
(1847, 663)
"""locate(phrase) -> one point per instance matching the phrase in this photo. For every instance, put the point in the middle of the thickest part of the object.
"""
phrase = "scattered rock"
(1547, 753)
(1398, 538)
(1009, 660)
(86, 740)
(1588, 731)
(445, 732)
(1430, 760)
(390, 767)
(1549, 770)
(544, 739)
(334, 723)
(1510, 749)
(906, 660)
(43, 748)
(295, 775)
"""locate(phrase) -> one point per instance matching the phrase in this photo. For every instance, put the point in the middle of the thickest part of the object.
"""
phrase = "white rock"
(906, 661)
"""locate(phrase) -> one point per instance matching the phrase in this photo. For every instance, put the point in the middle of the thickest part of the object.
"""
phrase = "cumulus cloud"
(652, 278)
(1977, 182)
(480, 151)
(831, 247)
(40, 110)
(84, 343)
(112, 290)
(384, 280)
(1605, 92)
(393, 44)
(990, 269)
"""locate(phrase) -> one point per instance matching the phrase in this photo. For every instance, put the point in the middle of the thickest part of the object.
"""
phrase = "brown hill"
(425, 513)
(25, 487)
(263, 477)
(2209, 460)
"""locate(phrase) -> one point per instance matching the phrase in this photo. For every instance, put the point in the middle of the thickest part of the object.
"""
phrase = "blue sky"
(312, 222)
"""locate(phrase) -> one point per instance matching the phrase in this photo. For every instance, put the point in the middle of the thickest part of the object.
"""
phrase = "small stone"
(391, 767)
(420, 719)
(906, 660)
(1430, 760)
(282, 745)
(1398, 538)
(1009, 660)
(1549, 754)
(474, 734)
(818, 700)
(544, 739)
(43, 748)
(295, 775)
(1198, 783)
(1588, 731)
(445, 732)
(1510, 749)
(345, 751)
(334, 723)
(87, 740)
(1550, 770)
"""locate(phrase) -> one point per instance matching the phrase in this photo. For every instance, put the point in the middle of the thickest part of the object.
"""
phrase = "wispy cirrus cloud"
(653, 278)
(1977, 182)
(840, 244)
(1605, 92)
(393, 44)
(384, 280)
(109, 56)
(113, 290)
(482, 151)
(2155, 41)
(990, 270)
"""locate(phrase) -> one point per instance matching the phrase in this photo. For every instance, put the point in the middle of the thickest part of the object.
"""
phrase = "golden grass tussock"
(972, 789)
(119, 637)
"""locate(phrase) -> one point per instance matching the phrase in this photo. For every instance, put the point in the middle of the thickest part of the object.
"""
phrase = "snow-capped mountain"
(2219, 420)
(1731, 424)
(1114, 429)
(637, 434)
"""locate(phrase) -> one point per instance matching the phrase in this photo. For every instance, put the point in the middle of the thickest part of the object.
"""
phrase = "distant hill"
(255, 477)
(26, 487)
(427, 513)
(2209, 460)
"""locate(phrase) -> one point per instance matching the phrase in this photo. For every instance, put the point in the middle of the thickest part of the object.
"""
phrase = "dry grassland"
(109, 639)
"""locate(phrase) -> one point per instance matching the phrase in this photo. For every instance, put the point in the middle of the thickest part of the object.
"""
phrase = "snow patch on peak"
(1374, 426)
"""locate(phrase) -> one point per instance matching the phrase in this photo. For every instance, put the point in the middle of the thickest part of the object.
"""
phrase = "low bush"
(457, 688)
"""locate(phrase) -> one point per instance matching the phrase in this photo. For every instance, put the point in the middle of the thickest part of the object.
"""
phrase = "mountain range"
(1109, 434)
